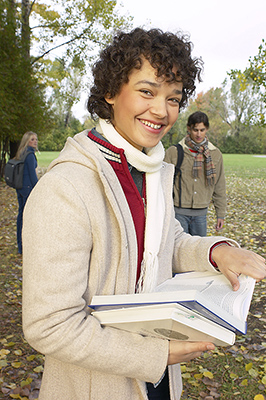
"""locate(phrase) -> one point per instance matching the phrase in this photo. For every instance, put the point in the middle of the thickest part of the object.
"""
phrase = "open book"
(208, 294)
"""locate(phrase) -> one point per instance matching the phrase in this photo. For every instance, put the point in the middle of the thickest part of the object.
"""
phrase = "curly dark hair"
(163, 50)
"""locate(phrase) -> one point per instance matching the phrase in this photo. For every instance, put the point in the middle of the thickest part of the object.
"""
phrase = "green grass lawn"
(245, 165)
(239, 165)
(46, 157)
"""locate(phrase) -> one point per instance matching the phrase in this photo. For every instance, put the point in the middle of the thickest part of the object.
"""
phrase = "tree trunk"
(25, 28)
(13, 146)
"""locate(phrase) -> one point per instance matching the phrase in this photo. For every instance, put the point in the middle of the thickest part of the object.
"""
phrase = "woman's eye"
(176, 101)
(147, 92)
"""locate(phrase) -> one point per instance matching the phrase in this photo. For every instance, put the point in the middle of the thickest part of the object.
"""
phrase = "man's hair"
(196, 118)
(163, 50)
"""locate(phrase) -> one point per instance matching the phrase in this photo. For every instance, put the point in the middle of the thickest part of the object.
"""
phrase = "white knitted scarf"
(151, 164)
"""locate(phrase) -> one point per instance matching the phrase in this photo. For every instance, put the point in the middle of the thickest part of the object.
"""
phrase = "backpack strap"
(180, 156)
(24, 156)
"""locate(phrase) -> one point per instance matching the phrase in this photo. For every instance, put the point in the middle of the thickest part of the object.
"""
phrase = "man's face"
(146, 107)
(198, 132)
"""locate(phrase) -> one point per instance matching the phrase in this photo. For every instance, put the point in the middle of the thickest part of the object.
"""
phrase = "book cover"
(167, 321)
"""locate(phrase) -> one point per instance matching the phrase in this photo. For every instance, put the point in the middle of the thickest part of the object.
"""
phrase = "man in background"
(201, 176)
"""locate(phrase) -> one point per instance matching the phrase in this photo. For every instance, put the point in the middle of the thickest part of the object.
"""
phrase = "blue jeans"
(196, 225)
(21, 204)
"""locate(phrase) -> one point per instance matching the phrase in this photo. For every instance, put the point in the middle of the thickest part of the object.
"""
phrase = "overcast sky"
(225, 33)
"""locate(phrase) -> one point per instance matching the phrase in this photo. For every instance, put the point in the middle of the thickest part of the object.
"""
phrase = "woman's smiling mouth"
(150, 124)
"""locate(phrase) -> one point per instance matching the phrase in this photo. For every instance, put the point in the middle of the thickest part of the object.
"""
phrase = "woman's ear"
(109, 99)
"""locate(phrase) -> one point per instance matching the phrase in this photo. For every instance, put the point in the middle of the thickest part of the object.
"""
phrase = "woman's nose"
(159, 108)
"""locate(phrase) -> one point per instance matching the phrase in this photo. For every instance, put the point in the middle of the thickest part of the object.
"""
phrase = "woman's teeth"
(151, 125)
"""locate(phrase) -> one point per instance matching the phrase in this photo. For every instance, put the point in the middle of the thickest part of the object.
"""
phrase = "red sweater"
(118, 161)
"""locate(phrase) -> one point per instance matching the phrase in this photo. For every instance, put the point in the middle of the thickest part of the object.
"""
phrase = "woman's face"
(33, 141)
(146, 107)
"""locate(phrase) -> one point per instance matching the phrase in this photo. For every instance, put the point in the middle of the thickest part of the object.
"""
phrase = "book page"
(216, 289)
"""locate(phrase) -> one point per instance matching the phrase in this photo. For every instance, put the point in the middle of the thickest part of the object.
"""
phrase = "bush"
(55, 140)
(241, 145)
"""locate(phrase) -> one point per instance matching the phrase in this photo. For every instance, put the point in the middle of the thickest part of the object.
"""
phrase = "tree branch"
(63, 44)
(31, 6)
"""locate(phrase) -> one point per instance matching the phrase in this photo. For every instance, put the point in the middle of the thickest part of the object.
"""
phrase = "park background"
(46, 51)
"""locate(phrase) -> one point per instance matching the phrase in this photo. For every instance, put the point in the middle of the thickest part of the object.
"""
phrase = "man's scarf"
(202, 151)
(151, 164)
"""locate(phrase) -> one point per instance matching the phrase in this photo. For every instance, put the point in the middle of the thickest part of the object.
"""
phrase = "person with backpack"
(27, 147)
(200, 179)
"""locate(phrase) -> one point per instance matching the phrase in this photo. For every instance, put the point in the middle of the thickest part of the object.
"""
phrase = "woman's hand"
(186, 351)
(233, 261)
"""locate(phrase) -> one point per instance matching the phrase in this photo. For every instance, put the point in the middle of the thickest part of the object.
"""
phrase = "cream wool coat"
(79, 240)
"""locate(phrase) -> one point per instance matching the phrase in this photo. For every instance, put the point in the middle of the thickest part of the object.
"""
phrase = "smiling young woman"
(103, 222)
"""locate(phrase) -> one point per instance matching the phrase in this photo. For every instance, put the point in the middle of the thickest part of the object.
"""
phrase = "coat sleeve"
(192, 253)
(57, 254)
(30, 164)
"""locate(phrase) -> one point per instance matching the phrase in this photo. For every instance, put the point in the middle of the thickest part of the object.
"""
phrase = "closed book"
(167, 321)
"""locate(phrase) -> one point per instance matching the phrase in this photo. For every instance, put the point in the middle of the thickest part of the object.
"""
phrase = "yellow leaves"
(208, 374)
(10, 344)
(16, 364)
(186, 375)
(17, 396)
(4, 353)
(198, 376)
(253, 373)
(248, 366)
(259, 397)
(3, 364)
(244, 382)
(38, 369)
(26, 382)
(251, 370)
(31, 357)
